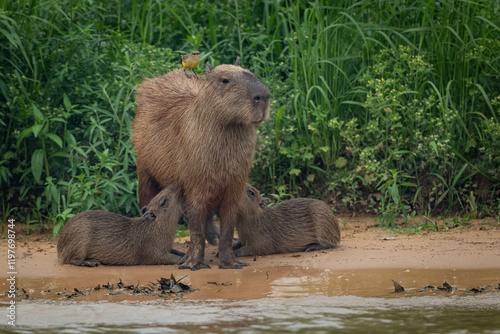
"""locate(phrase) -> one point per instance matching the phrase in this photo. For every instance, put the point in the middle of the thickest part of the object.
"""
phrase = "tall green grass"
(381, 86)
(67, 85)
(369, 99)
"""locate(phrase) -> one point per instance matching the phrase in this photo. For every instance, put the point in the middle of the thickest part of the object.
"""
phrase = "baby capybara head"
(252, 203)
(167, 202)
(230, 86)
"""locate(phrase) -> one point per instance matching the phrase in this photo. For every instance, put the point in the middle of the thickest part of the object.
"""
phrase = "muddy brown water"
(344, 290)
(283, 281)
(315, 314)
(272, 300)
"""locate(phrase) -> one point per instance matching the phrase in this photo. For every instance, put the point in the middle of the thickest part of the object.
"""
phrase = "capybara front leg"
(175, 256)
(86, 262)
(227, 258)
(194, 258)
(312, 247)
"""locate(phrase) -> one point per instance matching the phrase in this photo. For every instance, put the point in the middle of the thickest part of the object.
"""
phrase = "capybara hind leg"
(212, 231)
(194, 258)
(313, 247)
(148, 188)
(86, 262)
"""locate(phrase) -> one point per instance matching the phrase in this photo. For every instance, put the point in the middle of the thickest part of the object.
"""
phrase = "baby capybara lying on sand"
(300, 224)
(100, 237)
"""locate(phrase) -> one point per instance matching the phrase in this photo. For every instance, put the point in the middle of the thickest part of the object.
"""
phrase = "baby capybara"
(200, 134)
(296, 225)
(99, 237)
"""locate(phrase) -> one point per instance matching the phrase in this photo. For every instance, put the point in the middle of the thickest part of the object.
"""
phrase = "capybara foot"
(313, 247)
(194, 266)
(236, 264)
(86, 263)
(193, 262)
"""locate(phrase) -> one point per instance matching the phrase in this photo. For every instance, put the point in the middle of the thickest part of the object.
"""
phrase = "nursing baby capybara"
(200, 134)
(296, 225)
(99, 237)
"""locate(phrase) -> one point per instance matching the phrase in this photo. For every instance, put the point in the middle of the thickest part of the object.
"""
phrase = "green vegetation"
(385, 107)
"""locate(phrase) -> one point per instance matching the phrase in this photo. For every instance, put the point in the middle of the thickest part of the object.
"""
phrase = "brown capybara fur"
(99, 237)
(200, 134)
(296, 225)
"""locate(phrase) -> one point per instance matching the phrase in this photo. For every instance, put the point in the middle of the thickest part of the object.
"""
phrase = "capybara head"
(253, 199)
(252, 203)
(229, 86)
(166, 202)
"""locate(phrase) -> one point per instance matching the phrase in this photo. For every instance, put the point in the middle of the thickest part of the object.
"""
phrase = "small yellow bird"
(190, 60)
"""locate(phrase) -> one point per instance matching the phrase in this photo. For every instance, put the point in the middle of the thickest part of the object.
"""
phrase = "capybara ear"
(208, 68)
(149, 216)
(237, 62)
(264, 202)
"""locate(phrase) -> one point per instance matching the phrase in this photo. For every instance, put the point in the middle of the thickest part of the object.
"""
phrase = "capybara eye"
(224, 80)
(251, 192)
(164, 202)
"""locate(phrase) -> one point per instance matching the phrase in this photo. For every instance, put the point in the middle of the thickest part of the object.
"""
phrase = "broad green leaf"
(36, 129)
(67, 102)
(23, 134)
(37, 164)
(394, 191)
(37, 113)
(55, 138)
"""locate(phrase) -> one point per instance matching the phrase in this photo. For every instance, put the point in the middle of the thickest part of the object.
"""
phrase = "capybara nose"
(262, 97)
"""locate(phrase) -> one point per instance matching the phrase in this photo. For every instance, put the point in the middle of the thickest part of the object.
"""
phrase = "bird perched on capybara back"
(200, 135)
(296, 225)
(99, 237)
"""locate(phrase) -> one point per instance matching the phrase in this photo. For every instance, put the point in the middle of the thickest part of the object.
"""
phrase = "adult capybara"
(200, 134)
(99, 237)
(296, 225)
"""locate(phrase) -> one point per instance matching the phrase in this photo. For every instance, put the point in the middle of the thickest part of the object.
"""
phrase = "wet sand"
(364, 264)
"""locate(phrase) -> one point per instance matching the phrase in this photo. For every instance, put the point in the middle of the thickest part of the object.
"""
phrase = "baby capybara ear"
(237, 62)
(149, 216)
(264, 202)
